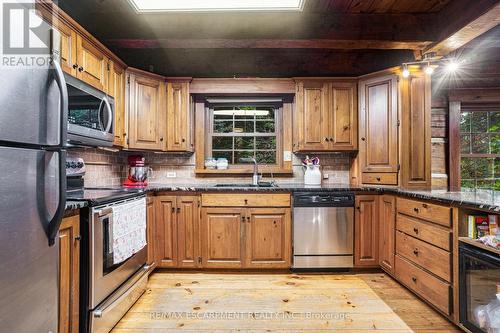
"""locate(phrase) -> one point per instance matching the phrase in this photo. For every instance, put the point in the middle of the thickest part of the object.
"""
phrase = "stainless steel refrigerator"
(33, 116)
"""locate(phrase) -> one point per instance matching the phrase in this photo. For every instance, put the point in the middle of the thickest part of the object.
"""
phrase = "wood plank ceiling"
(328, 38)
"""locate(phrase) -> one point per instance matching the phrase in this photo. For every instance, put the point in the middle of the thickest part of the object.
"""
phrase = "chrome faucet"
(255, 177)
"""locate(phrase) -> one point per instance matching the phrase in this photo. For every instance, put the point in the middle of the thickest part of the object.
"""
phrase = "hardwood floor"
(214, 302)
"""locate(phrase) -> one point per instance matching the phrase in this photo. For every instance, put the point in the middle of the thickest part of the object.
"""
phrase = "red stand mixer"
(137, 172)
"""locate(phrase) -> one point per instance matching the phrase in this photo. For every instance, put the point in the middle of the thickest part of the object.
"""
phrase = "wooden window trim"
(284, 141)
(458, 99)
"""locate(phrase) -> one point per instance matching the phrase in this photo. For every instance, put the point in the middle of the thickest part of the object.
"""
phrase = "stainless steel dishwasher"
(323, 229)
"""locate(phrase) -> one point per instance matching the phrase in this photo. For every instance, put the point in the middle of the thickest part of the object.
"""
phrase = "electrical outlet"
(171, 174)
(287, 156)
(326, 176)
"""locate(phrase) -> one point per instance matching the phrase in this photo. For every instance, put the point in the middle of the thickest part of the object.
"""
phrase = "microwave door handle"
(110, 115)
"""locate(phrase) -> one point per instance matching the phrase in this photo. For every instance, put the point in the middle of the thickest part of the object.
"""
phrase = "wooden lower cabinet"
(69, 274)
(222, 237)
(366, 231)
(166, 232)
(387, 225)
(151, 230)
(267, 237)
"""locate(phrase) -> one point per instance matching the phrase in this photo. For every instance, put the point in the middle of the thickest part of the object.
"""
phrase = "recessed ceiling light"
(147, 6)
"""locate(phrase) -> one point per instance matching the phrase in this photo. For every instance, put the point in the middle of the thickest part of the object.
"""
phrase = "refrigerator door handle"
(63, 90)
(55, 222)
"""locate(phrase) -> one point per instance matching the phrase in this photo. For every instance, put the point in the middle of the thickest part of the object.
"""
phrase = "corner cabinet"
(326, 115)
(366, 231)
(378, 130)
(146, 112)
(69, 274)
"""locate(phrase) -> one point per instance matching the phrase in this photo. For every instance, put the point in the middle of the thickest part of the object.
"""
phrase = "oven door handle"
(120, 295)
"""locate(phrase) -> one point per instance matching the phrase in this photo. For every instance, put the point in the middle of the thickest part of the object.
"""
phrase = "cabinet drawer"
(245, 200)
(432, 258)
(429, 287)
(425, 231)
(427, 211)
(380, 178)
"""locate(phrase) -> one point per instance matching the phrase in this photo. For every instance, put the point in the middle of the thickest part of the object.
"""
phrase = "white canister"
(312, 175)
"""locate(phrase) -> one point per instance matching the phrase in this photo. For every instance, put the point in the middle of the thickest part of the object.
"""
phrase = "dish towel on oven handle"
(128, 229)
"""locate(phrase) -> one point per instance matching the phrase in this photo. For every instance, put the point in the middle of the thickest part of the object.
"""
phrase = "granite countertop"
(481, 199)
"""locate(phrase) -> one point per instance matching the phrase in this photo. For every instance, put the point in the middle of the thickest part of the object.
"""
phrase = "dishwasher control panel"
(323, 199)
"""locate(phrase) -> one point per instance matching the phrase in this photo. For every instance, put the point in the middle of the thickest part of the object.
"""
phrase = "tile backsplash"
(109, 168)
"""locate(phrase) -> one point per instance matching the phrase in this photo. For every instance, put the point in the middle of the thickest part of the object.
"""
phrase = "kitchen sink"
(263, 184)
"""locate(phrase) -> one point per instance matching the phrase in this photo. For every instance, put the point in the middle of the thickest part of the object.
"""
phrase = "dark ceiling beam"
(267, 44)
(462, 21)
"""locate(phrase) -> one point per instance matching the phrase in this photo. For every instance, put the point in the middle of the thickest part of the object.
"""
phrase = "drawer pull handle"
(246, 201)
(378, 178)
(425, 205)
(243, 219)
(415, 252)
(416, 210)
(415, 230)
(414, 279)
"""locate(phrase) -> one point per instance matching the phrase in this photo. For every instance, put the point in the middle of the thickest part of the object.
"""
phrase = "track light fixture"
(429, 63)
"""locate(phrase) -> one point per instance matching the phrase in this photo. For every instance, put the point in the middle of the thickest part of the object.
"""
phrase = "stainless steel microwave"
(91, 114)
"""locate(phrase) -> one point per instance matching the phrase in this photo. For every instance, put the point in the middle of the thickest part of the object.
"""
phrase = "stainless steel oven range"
(109, 289)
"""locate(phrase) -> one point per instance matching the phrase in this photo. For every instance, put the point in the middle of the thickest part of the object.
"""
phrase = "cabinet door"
(92, 64)
(116, 88)
(178, 117)
(151, 230)
(188, 241)
(416, 131)
(378, 124)
(146, 113)
(366, 231)
(67, 47)
(343, 112)
(166, 232)
(69, 274)
(313, 130)
(387, 228)
(268, 238)
(221, 237)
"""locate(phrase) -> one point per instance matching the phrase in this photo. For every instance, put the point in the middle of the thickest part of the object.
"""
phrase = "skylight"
(147, 6)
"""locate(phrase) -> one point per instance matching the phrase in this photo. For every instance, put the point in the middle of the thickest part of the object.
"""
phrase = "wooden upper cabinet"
(67, 47)
(179, 118)
(387, 229)
(188, 242)
(366, 236)
(416, 131)
(166, 232)
(92, 64)
(326, 116)
(311, 103)
(343, 116)
(69, 274)
(116, 89)
(221, 237)
(147, 110)
(268, 238)
(378, 124)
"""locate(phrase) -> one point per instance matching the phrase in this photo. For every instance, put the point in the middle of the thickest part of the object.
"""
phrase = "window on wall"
(240, 130)
(480, 147)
